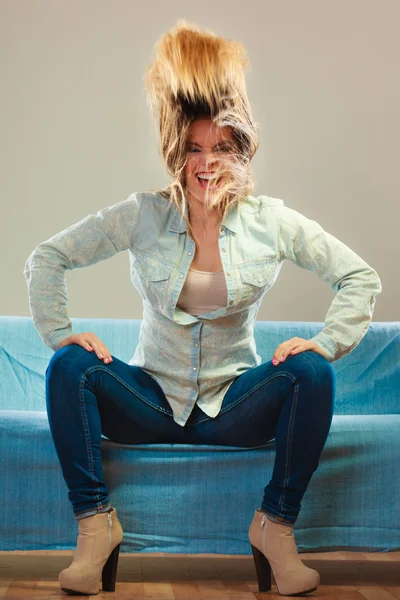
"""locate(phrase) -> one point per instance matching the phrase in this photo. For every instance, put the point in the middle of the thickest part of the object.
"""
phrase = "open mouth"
(208, 183)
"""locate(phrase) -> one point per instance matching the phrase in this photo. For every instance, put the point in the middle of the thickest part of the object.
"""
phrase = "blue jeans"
(291, 402)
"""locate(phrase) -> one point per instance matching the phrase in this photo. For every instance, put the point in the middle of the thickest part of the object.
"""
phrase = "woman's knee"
(69, 357)
(314, 363)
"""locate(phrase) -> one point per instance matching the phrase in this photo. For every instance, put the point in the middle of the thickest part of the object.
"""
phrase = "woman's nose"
(209, 159)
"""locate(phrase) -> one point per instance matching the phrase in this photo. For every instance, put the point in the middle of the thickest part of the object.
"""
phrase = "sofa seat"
(192, 499)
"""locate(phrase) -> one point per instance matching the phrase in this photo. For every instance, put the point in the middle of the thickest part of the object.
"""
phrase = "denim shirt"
(196, 358)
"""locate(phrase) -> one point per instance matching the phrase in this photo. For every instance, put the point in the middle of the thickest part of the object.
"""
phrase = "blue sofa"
(201, 499)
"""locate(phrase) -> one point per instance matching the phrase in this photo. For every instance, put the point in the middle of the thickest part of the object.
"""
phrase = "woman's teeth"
(205, 182)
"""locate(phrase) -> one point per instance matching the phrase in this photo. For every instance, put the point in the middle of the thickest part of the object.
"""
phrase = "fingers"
(102, 352)
(286, 349)
(93, 343)
(276, 361)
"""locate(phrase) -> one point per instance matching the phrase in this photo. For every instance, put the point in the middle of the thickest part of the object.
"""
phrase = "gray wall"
(77, 136)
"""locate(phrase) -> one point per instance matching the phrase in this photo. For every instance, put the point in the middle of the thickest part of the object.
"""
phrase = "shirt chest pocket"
(154, 276)
(256, 279)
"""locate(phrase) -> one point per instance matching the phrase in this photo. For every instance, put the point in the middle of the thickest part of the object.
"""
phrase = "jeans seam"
(290, 441)
(284, 373)
(289, 445)
(263, 382)
(87, 434)
(122, 382)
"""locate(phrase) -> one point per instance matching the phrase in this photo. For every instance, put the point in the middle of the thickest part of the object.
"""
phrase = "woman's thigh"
(252, 405)
(131, 405)
(133, 408)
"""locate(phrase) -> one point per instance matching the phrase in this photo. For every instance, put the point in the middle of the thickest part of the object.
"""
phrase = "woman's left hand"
(294, 346)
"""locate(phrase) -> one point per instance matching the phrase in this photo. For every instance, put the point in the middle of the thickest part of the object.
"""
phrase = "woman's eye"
(218, 149)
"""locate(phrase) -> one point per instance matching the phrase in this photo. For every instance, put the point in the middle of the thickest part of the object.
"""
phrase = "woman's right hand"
(90, 342)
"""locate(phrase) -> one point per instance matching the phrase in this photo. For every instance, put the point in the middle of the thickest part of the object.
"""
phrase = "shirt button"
(196, 345)
(190, 254)
(181, 276)
(231, 302)
(221, 230)
(228, 273)
(223, 249)
(194, 368)
(178, 321)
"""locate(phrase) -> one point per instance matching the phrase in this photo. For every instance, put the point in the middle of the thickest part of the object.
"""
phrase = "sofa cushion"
(201, 499)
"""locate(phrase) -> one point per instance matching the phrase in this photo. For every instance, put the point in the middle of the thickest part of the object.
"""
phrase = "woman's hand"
(294, 346)
(89, 341)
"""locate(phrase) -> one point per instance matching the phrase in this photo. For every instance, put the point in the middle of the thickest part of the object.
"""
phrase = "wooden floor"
(344, 576)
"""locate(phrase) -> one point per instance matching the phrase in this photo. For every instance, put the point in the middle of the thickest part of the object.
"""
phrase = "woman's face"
(205, 143)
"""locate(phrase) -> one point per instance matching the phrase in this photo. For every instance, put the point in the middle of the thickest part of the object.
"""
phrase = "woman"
(203, 253)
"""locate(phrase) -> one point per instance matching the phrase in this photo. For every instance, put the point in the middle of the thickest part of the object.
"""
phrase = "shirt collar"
(176, 222)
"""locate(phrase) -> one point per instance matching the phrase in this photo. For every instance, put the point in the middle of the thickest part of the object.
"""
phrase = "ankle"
(274, 518)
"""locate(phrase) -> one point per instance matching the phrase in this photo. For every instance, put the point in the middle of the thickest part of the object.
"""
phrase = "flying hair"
(196, 74)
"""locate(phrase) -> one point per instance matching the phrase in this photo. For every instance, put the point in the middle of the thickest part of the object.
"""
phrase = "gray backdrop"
(77, 135)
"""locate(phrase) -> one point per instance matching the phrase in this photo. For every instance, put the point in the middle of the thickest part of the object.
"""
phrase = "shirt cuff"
(327, 344)
(56, 336)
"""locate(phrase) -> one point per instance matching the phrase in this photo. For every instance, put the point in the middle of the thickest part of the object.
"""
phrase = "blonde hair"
(196, 74)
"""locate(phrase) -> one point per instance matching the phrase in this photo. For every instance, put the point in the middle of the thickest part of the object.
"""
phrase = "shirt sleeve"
(309, 246)
(94, 238)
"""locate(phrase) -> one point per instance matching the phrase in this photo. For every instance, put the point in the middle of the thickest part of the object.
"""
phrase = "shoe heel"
(263, 570)
(109, 573)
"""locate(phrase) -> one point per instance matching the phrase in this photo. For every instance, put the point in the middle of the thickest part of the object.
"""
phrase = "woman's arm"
(308, 245)
(94, 238)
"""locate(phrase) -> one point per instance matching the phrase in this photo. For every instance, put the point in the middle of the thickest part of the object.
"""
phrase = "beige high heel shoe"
(274, 547)
(96, 555)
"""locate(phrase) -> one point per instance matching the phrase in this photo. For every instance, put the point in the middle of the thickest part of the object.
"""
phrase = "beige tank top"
(203, 292)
